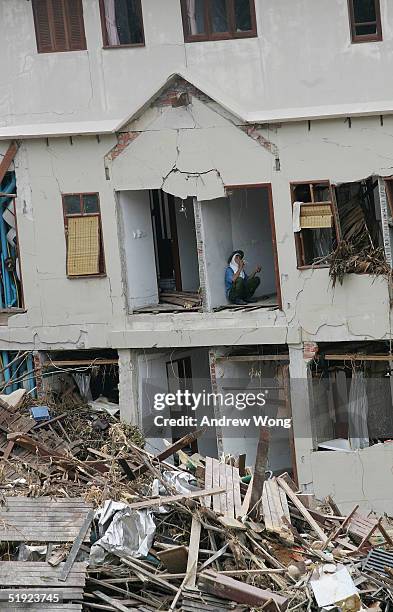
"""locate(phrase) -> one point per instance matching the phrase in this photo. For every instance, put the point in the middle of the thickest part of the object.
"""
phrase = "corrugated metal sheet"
(378, 559)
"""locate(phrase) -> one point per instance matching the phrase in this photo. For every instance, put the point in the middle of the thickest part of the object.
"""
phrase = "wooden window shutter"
(76, 30)
(59, 25)
(42, 25)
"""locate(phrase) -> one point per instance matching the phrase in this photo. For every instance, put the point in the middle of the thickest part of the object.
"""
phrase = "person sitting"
(240, 287)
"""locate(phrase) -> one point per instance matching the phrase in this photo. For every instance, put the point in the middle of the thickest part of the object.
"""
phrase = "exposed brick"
(310, 350)
(124, 139)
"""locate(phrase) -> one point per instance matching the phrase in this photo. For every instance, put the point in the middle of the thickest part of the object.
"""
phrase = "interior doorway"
(175, 248)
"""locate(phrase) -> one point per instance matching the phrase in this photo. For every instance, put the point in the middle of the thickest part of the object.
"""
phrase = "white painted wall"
(218, 245)
(186, 237)
(84, 85)
(366, 478)
(139, 259)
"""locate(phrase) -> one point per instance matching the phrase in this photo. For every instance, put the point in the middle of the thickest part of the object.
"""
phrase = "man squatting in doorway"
(240, 287)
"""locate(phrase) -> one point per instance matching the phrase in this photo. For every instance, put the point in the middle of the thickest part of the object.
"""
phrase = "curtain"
(110, 22)
(358, 412)
(191, 9)
(219, 18)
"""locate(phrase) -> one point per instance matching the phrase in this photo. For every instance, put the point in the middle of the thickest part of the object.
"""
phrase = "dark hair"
(237, 252)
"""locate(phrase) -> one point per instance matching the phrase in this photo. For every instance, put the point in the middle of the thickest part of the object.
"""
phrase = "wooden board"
(275, 507)
(24, 519)
(227, 477)
(40, 574)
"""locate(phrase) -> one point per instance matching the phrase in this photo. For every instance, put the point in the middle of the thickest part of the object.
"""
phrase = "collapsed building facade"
(154, 143)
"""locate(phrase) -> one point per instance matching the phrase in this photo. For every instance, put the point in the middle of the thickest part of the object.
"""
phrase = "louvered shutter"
(59, 25)
(42, 25)
(76, 30)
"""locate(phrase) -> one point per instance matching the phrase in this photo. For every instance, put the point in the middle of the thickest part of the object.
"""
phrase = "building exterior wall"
(301, 63)
(92, 312)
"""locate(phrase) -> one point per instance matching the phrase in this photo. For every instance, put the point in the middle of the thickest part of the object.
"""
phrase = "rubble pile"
(117, 528)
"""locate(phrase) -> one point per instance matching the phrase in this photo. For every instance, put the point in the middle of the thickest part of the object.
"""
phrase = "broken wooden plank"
(193, 553)
(208, 479)
(259, 470)
(171, 499)
(150, 575)
(234, 590)
(25, 519)
(275, 508)
(39, 574)
(76, 546)
(8, 159)
(303, 511)
(171, 450)
(174, 558)
(247, 499)
(116, 605)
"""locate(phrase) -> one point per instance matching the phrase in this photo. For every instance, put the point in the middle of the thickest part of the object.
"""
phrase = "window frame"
(361, 38)
(66, 30)
(299, 244)
(66, 216)
(105, 43)
(209, 35)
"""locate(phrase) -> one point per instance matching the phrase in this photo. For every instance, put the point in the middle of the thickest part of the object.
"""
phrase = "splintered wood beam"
(193, 553)
(302, 509)
(358, 357)
(7, 160)
(171, 450)
(259, 471)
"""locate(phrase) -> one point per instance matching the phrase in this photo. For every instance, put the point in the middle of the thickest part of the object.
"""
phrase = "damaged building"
(153, 144)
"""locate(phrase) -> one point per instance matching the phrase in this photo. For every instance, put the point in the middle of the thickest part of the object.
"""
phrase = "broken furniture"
(361, 528)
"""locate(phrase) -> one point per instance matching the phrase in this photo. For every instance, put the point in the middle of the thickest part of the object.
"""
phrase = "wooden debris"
(228, 588)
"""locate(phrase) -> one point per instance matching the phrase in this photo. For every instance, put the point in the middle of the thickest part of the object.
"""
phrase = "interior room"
(255, 370)
(242, 220)
(352, 396)
(168, 371)
(160, 251)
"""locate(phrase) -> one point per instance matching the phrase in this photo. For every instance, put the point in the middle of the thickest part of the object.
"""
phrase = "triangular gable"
(178, 82)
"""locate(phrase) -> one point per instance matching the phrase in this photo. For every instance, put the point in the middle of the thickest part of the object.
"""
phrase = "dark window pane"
(317, 243)
(302, 193)
(365, 30)
(123, 22)
(364, 10)
(72, 205)
(243, 21)
(90, 203)
(218, 16)
(196, 16)
(321, 193)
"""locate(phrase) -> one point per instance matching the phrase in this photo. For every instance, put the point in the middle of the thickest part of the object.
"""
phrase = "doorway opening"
(175, 248)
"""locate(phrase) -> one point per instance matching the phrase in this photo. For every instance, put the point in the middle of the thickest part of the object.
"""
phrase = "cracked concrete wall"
(62, 312)
(188, 151)
(360, 478)
(69, 313)
(98, 83)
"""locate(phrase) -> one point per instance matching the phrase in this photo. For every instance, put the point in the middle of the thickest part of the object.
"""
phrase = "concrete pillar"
(128, 387)
(301, 394)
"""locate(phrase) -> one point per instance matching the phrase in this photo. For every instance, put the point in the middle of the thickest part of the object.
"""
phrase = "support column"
(128, 387)
(301, 400)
